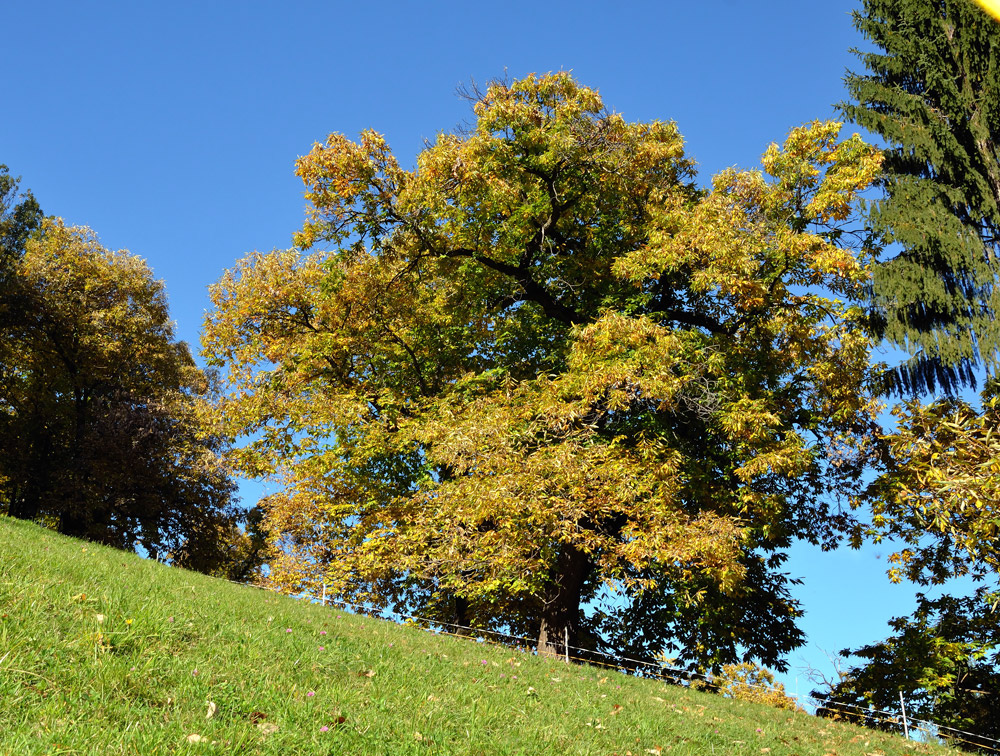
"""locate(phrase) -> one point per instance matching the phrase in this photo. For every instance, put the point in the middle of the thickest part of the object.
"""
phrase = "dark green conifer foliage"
(932, 91)
(20, 214)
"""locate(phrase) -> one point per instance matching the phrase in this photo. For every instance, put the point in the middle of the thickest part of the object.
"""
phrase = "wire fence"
(659, 669)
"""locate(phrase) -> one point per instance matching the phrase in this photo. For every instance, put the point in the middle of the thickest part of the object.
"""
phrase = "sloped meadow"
(102, 652)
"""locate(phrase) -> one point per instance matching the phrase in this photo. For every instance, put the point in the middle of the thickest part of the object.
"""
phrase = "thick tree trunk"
(73, 520)
(33, 469)
(561, 605)
(72, 523)
(24, 504)
(460, 617)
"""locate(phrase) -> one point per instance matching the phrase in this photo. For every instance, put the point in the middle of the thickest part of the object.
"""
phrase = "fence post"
(906, 729)
(324, 593)
(566, 637)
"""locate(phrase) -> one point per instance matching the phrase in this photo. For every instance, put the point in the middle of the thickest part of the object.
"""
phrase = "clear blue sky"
(171, 129)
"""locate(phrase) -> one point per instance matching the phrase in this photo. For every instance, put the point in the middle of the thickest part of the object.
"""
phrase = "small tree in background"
(748, 682)
(939, 503)
(101, 424)
(20, 215)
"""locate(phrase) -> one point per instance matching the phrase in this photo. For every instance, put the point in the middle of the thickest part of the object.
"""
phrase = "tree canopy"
(542, 365)
(932, 92)
(937, 503)
(20, 214)
(943, 660)
(938, 500)
(99, 407)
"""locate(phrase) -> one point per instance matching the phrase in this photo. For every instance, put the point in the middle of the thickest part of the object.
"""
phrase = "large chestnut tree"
(542, 382)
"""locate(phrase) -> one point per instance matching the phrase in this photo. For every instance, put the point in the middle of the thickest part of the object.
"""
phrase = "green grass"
(102, 652)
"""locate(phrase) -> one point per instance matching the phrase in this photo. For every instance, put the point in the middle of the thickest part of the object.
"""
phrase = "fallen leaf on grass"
(195, 738)
(257, 716)
(211, 710)
(267, 728)
(417, 736)
(367, 673)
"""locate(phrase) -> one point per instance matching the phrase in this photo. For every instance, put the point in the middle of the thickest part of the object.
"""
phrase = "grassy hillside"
(104, 653)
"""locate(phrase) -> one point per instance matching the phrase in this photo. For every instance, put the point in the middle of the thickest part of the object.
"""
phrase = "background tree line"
(100, 406)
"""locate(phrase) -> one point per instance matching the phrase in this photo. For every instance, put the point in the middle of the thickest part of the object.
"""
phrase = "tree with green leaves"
(932, 92)
(20, 215)
(943, 660)
(541, 368)
(938, 503)
(100, 408)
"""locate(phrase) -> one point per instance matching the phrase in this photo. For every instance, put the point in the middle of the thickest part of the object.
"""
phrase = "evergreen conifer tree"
(932, 92)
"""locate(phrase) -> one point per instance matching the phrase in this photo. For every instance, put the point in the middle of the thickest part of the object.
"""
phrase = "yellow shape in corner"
(992, 7)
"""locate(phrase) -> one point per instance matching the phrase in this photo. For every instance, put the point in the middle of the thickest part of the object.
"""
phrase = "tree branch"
(534, 291)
